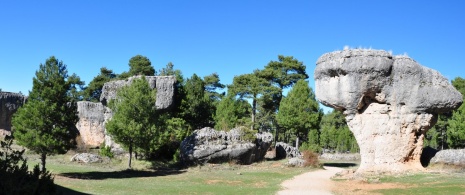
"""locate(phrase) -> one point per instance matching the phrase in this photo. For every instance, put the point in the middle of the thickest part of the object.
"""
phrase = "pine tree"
(135, 119)
(456, 124)
(231, 113)
(94, 89)
(299, 113)
(46, 123)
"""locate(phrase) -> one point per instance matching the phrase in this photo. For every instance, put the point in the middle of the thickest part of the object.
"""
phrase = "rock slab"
(389, 103)
(9, 104)
(209, 145)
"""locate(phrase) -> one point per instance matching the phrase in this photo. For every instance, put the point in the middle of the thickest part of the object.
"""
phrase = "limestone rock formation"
(449, 157)
(210, 145)
(165, 86)
(9, 104)
(91, 124)
(284, 150)
(93, 116)
(86, 158)
(389, 103)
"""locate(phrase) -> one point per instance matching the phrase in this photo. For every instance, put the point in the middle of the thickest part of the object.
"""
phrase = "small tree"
(141, 65)
(231, 112)
(94, 89)
(46, 123)
(135, 117)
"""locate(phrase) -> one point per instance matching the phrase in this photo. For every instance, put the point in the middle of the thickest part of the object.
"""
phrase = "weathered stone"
(449, 157)
(389, 103)
(210, 145)
(165, 86)
(9, 104)
(295, 162)
(91, 124)
(86, 158)
(94, 116)
(284, 150)
(340, 157)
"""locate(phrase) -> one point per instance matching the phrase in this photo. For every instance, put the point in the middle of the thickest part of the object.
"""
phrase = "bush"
(106, 151)
(15, 177)
(310, 159)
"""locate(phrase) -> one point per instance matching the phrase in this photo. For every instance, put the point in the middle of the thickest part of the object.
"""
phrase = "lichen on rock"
(389, 103)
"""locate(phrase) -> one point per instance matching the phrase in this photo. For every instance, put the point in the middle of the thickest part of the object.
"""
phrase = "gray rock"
(340, 157)
(91, 124)
(389, 103)
(284, 150)
(295, 162)
(9, 104)
(210, 145)
(86, 158)
(449, 157)
(165, 86)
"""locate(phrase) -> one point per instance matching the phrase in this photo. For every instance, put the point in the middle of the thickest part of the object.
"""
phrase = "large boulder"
(165, 86)
(91, 124)
(389, 103)
(9, 104)
(94, 116)
(210, 145)
(284, 150)
(449, 157)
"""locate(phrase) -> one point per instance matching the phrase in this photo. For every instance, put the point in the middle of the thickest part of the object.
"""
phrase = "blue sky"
(227, 37)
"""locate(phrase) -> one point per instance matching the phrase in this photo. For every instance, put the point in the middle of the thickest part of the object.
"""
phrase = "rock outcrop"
(91, 124)
(449, 157)
(284, 150)
(209, 145)
(165, 86)
(86, 158)
(93, 116)
(9, 104)
(389, 103)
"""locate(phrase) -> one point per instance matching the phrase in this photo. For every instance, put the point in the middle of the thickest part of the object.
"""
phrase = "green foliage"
(174, 132)
(456, 124)
(335, 134)
(231, 112)
(46, 122)
(212, 84)
(299, 113)
(15, 177)
(251, 86)
(436, 136)
(94, 89)
(134, 123)
(105, 151)
(76, 90)
(196, 106)
(141, 65)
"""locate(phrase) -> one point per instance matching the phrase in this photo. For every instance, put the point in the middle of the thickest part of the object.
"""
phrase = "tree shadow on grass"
(94, 175)
(67, 191)
(340, 165)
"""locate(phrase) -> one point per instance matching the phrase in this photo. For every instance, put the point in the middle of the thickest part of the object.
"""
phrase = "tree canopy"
(46, 122)
(94, 89)
(135, 119)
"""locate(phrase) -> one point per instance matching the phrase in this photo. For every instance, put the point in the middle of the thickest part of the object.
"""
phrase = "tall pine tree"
(46, 123)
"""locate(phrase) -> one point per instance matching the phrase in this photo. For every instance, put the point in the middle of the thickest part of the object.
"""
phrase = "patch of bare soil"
(313, 182)
(359, 187)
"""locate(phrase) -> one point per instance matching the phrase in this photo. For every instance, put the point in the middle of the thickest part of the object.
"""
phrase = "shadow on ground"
(94, 175)
(67, 191)
(340, 165)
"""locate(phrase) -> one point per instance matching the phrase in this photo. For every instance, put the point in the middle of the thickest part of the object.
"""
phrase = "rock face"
(389, 103)
(93, 116)
(91, 124)
(449, 157)
(210, 145)
(165, 86)
(86, 158)
(284, 150)
(9, 104)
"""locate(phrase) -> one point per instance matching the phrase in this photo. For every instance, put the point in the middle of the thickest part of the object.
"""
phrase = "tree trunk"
(297, 143)
(254, 108)
(43, 156)
(130, 155)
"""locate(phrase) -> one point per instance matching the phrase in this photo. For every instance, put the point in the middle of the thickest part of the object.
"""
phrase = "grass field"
(113, 178)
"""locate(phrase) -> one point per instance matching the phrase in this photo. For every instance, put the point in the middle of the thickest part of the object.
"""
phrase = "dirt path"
(313, 182)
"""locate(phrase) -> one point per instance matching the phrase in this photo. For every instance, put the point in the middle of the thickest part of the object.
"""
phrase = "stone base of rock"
(212, 146)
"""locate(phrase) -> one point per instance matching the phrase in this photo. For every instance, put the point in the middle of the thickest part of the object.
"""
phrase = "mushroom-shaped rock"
(389, 103)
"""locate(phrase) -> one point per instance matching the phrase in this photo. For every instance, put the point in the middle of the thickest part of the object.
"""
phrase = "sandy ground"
(313, 182)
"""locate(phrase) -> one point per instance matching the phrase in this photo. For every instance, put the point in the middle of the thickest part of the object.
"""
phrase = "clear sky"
(227, 37)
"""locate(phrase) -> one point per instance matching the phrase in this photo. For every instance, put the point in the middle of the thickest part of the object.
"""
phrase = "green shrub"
(106, 151)
(310, 147)
(15, 177)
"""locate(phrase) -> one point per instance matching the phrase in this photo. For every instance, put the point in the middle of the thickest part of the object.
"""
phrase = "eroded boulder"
(389, 103)
(94, 116)
(210, 145)
(9, 104)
